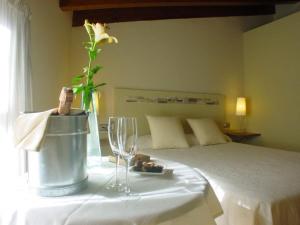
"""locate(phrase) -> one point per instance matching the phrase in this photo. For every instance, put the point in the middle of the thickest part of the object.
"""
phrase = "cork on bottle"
(65, 101)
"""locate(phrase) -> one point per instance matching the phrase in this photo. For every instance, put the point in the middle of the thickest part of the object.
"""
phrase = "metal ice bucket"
(59, 168)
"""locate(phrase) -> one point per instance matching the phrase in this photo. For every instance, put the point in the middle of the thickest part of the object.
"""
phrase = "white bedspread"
(255, 185)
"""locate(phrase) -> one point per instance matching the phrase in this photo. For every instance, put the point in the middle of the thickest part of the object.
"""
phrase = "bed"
(255, 185)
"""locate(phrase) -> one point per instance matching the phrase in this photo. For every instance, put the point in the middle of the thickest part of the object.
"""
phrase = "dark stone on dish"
(152, 167)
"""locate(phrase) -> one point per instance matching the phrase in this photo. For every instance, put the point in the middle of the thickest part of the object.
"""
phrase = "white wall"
(50, 46)
(198, 55)
(272, 82)
(202, 55)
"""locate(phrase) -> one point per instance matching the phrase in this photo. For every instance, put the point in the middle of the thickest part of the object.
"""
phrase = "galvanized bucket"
(59, 168)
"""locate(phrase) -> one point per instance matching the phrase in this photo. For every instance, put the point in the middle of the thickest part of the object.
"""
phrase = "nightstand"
(241, 136)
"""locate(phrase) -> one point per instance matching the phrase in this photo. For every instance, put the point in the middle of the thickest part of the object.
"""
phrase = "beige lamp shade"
(241, 106)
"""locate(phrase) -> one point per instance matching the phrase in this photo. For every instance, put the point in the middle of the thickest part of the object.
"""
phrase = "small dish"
(165, 172)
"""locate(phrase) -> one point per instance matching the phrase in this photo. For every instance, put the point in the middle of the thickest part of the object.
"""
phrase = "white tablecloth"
(184, 198)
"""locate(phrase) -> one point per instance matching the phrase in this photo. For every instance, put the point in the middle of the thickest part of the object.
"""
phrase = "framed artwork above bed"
(139, 103)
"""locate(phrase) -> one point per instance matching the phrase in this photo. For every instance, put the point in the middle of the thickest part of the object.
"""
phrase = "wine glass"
(113, 141)
(127, 140)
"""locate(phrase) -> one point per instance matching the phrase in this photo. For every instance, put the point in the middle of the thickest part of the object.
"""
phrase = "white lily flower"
(100, 34)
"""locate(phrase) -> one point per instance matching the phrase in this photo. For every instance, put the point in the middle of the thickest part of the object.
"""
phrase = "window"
(4, 65)
(7, 154)
(15, 82)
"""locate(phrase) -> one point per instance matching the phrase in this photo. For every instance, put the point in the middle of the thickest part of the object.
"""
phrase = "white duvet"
(255, 185)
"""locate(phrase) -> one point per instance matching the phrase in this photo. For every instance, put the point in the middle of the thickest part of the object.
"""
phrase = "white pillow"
(166, 132)
(207, 131)
(145, 141)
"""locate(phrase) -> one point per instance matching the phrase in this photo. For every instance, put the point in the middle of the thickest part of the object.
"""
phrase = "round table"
(183, 198)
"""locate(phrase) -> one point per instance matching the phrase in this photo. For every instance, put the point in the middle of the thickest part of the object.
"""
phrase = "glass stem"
(117, 164)
(127, 190)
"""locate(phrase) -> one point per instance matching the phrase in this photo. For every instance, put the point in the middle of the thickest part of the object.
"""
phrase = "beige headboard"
(138, 103)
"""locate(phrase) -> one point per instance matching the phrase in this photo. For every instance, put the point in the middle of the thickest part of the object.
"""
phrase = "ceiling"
(110, 11)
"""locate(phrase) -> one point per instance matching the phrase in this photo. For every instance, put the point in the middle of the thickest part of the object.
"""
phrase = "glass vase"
(93, 138)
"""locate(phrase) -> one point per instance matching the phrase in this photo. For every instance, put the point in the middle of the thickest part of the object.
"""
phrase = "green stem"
(88, 77)
(90, 60)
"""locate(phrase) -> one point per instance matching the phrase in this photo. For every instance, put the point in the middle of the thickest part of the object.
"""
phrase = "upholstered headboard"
(138, 103)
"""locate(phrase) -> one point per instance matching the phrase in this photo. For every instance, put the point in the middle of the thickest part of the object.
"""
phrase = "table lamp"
(241, 110)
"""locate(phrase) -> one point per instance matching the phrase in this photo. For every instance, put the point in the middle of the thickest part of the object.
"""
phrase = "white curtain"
(15, 80)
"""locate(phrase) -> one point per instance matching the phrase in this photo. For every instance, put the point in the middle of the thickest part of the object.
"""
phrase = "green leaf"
(79, 76)
(98, 85)
(96, 69)
(76, 79)
(78, 88)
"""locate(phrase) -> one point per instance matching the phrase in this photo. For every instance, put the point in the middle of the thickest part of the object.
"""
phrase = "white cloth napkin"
(30, 130)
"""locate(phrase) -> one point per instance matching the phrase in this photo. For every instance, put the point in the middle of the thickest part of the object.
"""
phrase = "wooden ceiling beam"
(76, 5)
(156, 13)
